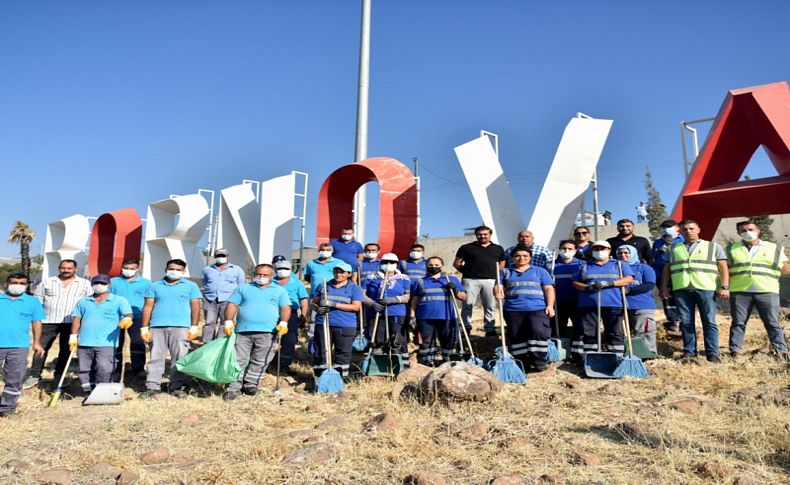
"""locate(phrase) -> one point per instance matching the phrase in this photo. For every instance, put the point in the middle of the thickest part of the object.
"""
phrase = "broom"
(366, 360)
(59, 389)
(505, 368)
(472, 358)
(360, 341)
(552, 352)
(330, 380)
(631, 365)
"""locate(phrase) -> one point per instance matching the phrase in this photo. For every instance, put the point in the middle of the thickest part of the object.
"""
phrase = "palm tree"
(22, 234)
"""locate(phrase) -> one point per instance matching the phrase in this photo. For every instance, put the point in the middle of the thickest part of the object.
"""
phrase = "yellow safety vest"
(758, 274)
(696, 270)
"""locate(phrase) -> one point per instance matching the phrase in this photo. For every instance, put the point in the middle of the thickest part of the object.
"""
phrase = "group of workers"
(539, 291)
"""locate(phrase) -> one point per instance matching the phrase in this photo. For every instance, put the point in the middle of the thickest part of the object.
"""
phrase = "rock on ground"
(459, 381)
(317, 453)
(714, 471)
(424, 478)
(57, 476)
(382, 422)
(686, 406)
(153, 457)
(512, 479)
(586, 458)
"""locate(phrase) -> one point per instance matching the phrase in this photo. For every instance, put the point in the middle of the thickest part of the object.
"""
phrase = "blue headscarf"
(632, 250)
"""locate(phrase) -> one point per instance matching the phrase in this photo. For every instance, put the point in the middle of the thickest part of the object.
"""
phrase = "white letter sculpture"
(65, 239)
(172, 231)
(490, 189)
(568, 180)
(254, 232)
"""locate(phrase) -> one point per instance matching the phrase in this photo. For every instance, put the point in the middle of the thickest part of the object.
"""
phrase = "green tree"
(656, 210)
(764, 223)
(23, 235)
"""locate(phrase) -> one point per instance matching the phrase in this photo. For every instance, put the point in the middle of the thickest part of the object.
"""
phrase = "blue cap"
(100, 278)
(344, 267)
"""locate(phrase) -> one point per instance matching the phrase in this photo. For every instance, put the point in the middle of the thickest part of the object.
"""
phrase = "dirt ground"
(690, 424)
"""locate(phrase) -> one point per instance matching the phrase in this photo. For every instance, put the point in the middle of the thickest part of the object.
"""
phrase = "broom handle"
(501, 314)
(626, 323)
(376, 318)
(65, 370)
(460, 321)
(599, 323)
(361, 307)
(128, 343)
(556, 317)
(328, 351)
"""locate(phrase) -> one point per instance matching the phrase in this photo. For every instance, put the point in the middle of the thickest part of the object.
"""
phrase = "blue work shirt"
(16, 316)
(435, 302)
(347, 251)
(368, 267)
(99, 321)
(295, 289)
(346, 294)
(317, 271)
(172, 303)
(660, 251)
(218, 284)
(564, 275)
(524, 290)
(413, 269)
(133, 291)
(591, 273)
(259, 306)
(642, 296)
(397, 285)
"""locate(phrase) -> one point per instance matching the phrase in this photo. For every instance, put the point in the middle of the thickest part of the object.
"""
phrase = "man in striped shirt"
(58, 294)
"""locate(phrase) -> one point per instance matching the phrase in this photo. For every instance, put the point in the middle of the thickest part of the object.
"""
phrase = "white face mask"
(283, 273)
(749, 235)
(221, 260)
(567, 254)
(347, 237)
(600, 255)
(262, 280)
(174, 274)
(16, 290)
(415, 255)
(128, 273)
(99, 288)
(324, 254)
(388, 268)
(671, 231)
(370, 255)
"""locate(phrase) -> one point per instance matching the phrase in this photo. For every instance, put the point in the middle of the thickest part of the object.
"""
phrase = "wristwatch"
(725, 287)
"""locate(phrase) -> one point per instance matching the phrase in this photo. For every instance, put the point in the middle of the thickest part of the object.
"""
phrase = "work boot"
(149, 394)
(250, 391)
(231, 396)
(6, 413)
(688, 359)
(30, 382)
(713, 359)
(179, 393)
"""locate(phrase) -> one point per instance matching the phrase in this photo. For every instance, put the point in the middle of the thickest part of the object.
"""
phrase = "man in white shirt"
(58, 294)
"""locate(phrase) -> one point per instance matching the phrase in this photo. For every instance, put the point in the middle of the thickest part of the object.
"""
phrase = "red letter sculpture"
(397, 202)
(749, 117)
(116, 236)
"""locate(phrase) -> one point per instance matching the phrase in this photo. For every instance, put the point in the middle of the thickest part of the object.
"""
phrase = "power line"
(422, 165)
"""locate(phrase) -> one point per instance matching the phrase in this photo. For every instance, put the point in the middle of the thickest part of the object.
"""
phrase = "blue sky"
(97, 96)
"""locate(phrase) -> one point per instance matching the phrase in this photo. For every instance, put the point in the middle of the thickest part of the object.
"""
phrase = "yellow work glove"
(194, 332)
(281, 328)
(125, 323)
(228, 328)
(145, 334)
(73, 342)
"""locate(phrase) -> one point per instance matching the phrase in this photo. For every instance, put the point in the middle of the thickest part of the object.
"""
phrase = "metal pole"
(417, 181)
(683, 148)
(361, 151)
(595, 204)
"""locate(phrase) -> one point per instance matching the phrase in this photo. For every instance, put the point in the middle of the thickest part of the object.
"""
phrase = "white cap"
(390, 257)
(602, 243)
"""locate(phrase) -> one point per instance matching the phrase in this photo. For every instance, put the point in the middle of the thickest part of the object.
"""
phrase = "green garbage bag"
(214, 362)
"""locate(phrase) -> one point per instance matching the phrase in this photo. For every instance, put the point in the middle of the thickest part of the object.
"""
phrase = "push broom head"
(507, 371)
(631, 366)
(330, 382)
(552, 352)
(360, 343)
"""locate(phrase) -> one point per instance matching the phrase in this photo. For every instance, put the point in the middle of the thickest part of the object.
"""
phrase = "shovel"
(108, 392)
(600, 365)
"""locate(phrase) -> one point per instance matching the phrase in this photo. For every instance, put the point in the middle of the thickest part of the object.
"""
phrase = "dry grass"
(533, 430)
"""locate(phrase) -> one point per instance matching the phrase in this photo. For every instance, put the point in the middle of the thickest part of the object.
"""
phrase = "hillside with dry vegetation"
(689, 424)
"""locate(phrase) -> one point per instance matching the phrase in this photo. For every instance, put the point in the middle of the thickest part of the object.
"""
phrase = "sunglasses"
(580, 233)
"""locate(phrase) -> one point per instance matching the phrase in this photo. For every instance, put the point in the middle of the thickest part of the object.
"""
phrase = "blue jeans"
(705, 301)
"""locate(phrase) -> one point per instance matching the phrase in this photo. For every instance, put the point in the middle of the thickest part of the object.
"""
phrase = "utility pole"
(361, 151)
(417, 182)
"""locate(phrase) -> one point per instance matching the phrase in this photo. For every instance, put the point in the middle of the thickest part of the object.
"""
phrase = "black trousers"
(528, 333)
(341, 341)
(612, 329)
(567, 310)
(397, 336)
(50, 332)
(445, 331)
